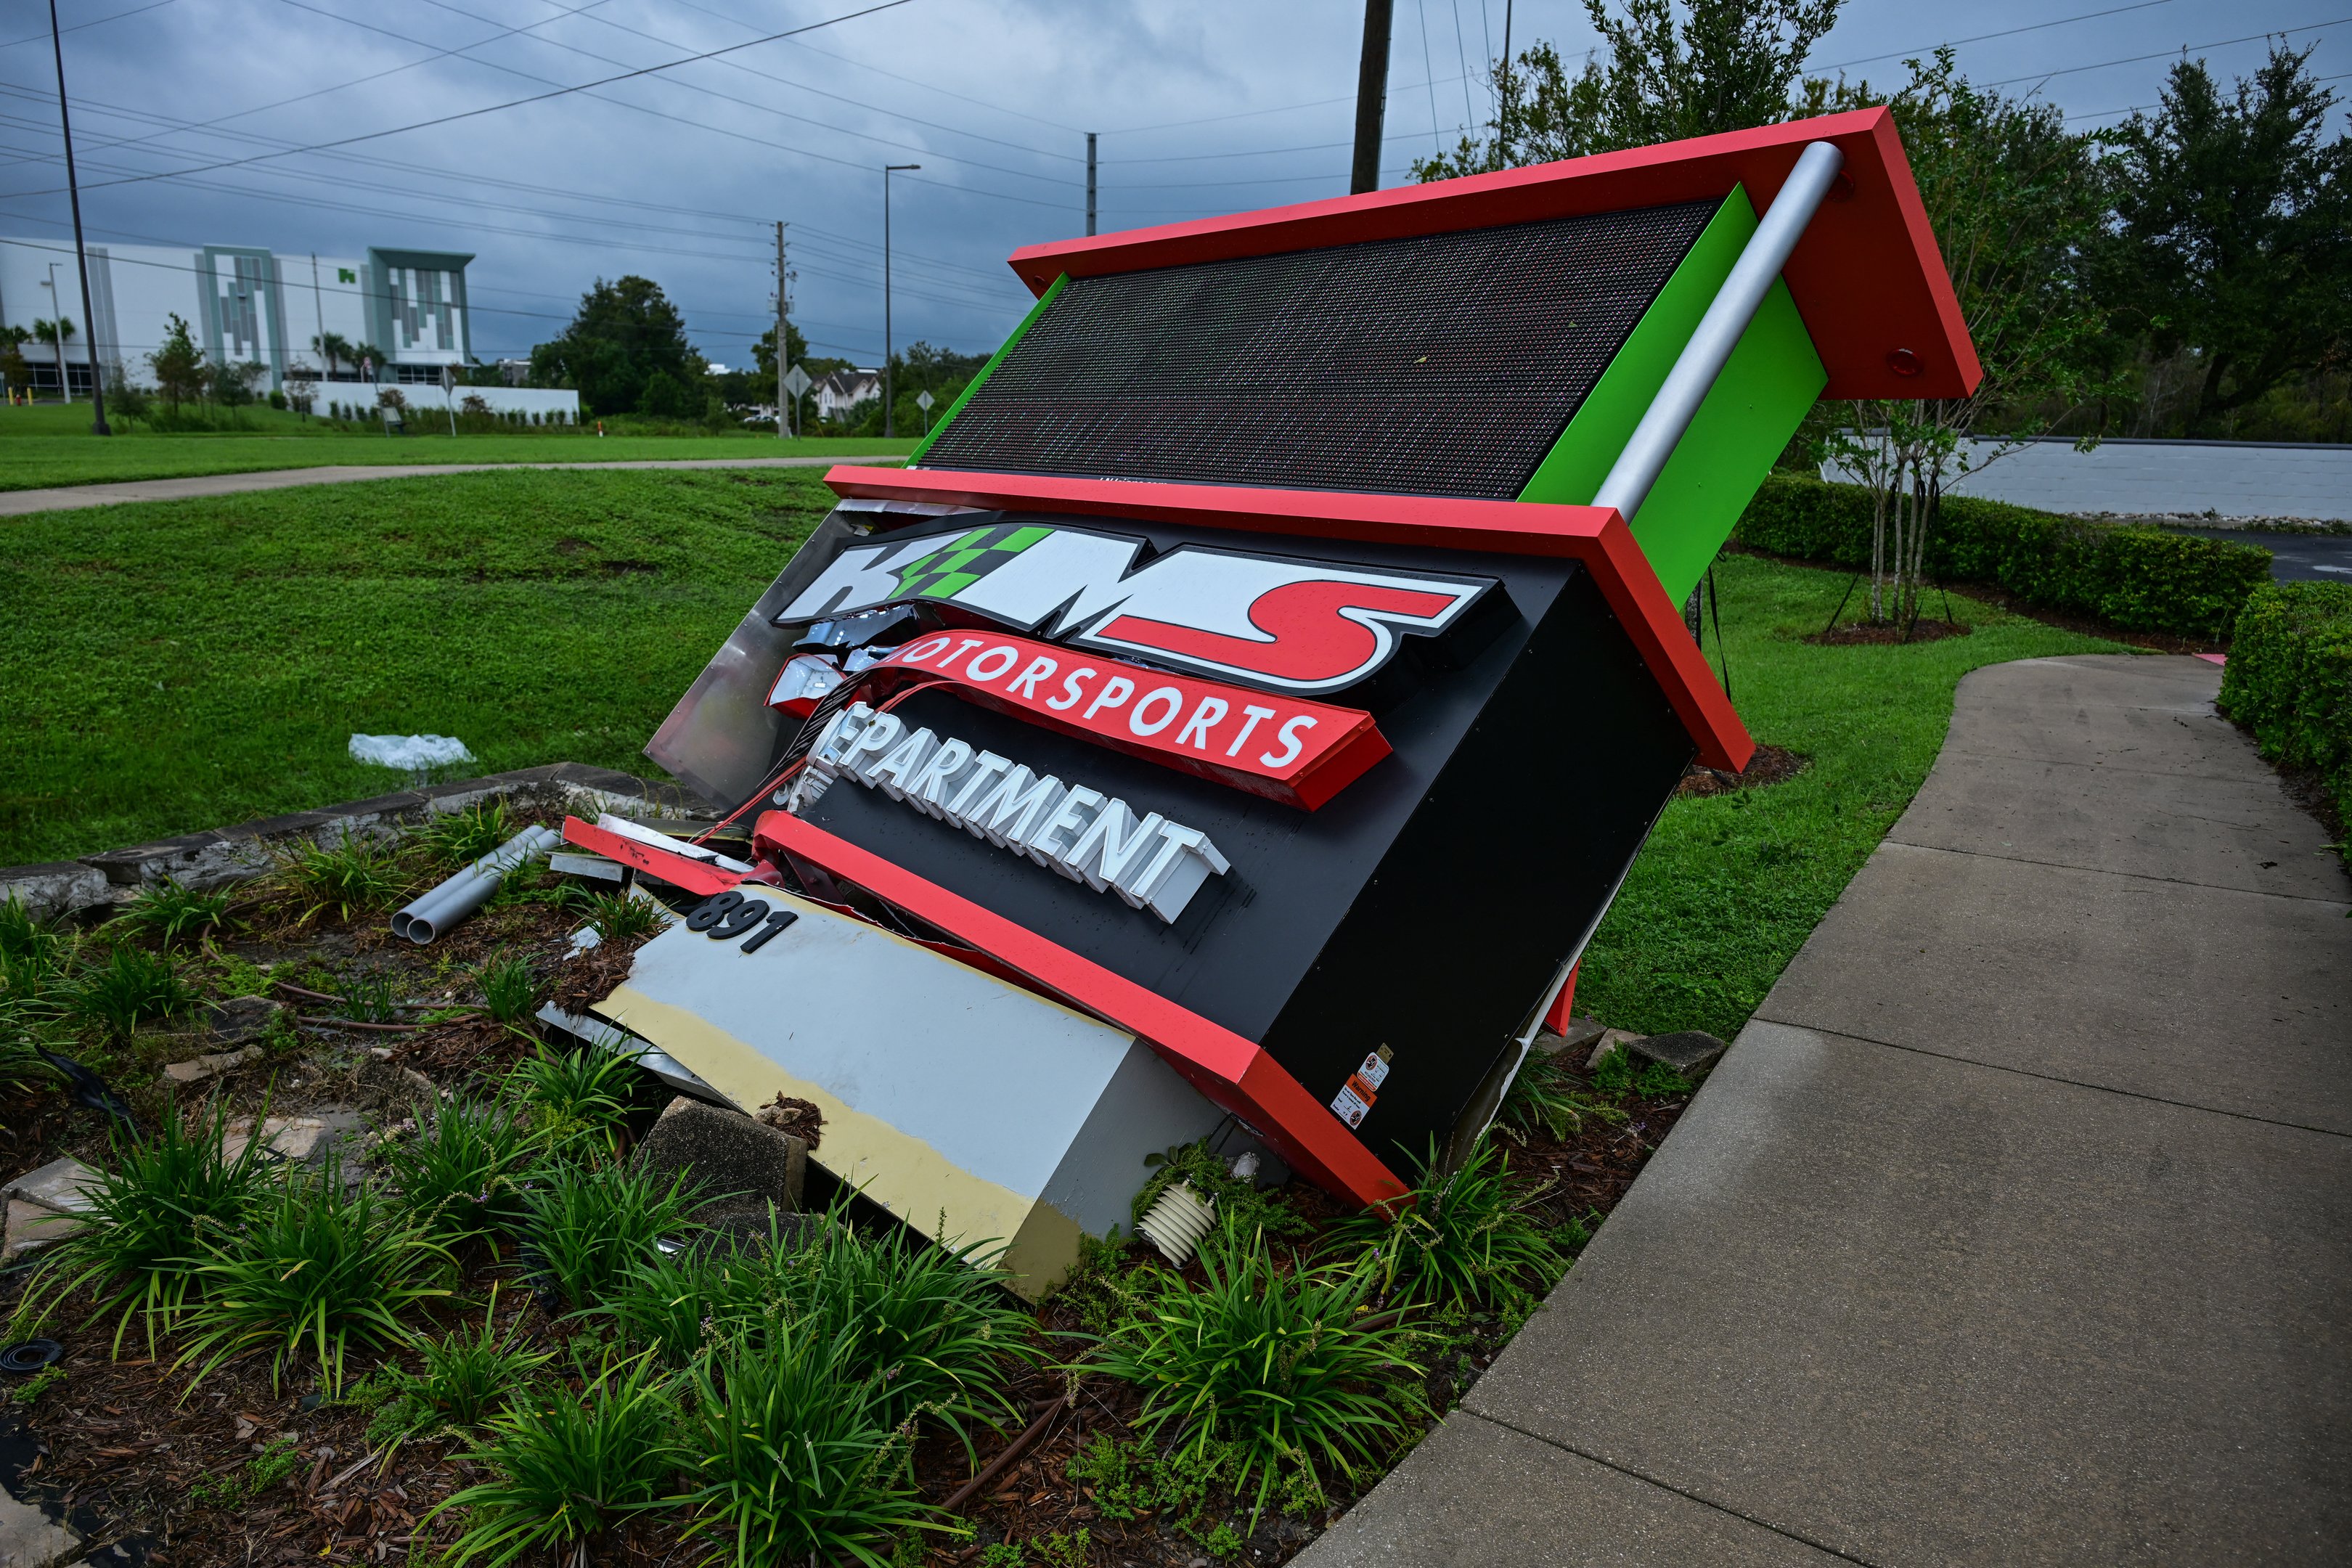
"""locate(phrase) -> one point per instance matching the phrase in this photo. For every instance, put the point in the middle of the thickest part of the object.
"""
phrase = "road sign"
(796, 380)
(449, 378)
(923, 401)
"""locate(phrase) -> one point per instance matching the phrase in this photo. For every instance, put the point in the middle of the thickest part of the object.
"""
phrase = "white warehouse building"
(242, 304)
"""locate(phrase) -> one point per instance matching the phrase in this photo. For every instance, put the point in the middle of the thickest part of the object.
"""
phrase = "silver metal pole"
(1090, 182)
(58, 333)
(1703, 358)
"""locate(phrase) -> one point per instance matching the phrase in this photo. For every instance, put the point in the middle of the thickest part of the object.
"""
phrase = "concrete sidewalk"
(17, 503)
(2016, 1228)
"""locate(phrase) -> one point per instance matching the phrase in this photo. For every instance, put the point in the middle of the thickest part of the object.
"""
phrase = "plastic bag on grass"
(411, 753)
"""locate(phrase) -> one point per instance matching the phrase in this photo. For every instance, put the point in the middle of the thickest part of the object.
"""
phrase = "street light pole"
(73, 189)
(58, 333)
(888, 419)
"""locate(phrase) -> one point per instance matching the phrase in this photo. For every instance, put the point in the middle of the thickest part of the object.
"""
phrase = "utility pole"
(783, 356)
(890, 424)
(1510, 91)
(73, 189)
(1371, 97)
(1090, 183)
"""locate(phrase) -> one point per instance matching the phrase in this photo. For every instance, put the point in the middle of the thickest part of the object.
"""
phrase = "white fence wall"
(2231, 479)
(427, 399)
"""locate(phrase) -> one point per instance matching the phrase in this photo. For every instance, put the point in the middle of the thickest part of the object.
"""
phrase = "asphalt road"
(2294, 557)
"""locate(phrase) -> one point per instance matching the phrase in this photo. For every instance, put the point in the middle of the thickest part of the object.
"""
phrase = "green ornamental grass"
(316, 1271)
(578, 1099)
(463, 1378)
(795, 1457)
(460, 1173)
(509, 992)
(1459, 1237)
(586, 1225)
(354, 876)
(154, 1210)
(1274, 1366)
(566, 1468)
(1546, 1100)
(929, 1324)
(458, 838)
(170, 912)
(128, 987)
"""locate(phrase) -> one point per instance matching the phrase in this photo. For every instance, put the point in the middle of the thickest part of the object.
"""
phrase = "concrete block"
(1690, 1052)
(201, 1068)
(296, 1139)
(55, 888)
(31, 1225)
(60, 1186)
(735, 1160)
(1576, 1041)
(29, 1537)
(1610, 1040)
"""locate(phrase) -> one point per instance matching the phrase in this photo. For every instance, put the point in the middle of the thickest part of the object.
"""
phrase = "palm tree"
(334, 348)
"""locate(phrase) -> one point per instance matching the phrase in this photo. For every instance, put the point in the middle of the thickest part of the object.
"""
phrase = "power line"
(43, 36)
(412, 169)
(1252, 113)
(2143, 108)
(2005, 33)
(510, 103)
(371, 76)
(2165, 54)
(705, 92)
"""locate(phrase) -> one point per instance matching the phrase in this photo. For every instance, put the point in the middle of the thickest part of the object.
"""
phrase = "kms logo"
(1297, 626)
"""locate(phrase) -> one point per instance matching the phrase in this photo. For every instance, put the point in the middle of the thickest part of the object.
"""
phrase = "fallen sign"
(1128, 772)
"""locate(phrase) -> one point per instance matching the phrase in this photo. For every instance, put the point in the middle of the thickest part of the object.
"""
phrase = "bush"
(798, 1462)
(2289, 681)
(1272, 1366)
(2140, 577)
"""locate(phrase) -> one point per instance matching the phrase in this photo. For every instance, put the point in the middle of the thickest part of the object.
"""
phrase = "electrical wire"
(43, 36)
(2166, 54)
(497, 108)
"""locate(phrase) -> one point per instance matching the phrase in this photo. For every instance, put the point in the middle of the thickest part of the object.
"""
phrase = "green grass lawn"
(180, 665)
(50, 444)
(1729, 886)
(175, 666)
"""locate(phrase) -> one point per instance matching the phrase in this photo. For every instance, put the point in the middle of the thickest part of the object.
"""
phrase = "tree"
(336, 350)
(14, 372)
(626, 332)
(231, 385)
(1675, 69)
(2232, 230)
(301, 393)
(178, 365)
(2015, 202)
(665, 397)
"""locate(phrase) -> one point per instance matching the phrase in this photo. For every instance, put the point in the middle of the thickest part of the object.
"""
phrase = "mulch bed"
(138, 1455)
(1865, 633)
(1769, 766)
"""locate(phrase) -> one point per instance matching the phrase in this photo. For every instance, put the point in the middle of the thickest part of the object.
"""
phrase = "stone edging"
(223, 855)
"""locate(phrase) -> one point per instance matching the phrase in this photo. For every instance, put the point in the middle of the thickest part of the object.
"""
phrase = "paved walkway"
(15, 503)
(2016, 1228)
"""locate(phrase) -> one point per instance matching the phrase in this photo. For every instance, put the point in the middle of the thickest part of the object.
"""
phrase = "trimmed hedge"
(2144, 578)
(2289, 680)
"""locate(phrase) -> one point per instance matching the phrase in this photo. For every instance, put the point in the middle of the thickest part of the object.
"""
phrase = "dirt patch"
(1769, 766)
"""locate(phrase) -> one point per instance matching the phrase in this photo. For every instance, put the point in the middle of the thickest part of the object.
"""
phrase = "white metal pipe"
(470, 888)
(1703, 358)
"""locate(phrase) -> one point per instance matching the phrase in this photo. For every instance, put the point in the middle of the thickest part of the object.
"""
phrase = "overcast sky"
(1212, 106)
